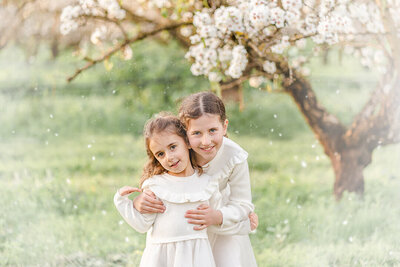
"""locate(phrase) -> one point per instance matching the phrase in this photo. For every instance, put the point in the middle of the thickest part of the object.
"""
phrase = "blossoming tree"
(233, 41)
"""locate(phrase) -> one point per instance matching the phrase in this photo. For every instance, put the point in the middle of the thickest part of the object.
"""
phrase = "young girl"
(205, 119)
(175, 178)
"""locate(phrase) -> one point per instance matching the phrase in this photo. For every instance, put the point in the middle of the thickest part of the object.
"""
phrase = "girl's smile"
(207, 149)
(175, 164)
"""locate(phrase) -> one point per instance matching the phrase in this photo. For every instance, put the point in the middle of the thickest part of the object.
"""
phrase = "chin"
(209, 156)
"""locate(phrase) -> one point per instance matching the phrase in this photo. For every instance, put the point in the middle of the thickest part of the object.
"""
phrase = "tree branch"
(120, 46)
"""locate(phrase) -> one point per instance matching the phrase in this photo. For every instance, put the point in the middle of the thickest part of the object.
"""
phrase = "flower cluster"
(224, 38)
(105, 8)
(222, 35)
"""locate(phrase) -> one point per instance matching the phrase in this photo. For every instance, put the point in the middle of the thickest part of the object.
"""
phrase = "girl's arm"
(140, 222)
(212, 218)
(239, 205)
(234, 214)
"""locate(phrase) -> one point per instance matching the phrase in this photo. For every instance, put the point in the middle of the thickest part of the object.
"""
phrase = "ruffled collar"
(229, 155)
(157, 184)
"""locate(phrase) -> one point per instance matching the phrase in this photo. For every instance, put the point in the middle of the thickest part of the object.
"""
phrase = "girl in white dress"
(175, 178)
(205, 120)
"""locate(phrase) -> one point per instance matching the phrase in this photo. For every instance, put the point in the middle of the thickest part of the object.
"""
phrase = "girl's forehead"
(164, 138)
(206, 119)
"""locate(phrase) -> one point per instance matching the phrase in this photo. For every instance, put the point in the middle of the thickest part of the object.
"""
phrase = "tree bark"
(234, 94)
(348, 166)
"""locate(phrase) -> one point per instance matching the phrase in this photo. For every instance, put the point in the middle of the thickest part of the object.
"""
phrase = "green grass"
(63, 154)
(57, 204)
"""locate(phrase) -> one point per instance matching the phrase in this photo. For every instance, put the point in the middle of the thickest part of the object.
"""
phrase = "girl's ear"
(225, 126)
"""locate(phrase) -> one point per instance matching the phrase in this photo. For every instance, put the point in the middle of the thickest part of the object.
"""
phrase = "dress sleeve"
(241, 227)
(140, 222)
(239, 205)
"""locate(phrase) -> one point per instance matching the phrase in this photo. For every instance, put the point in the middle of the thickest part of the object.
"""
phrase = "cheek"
(218, 139)
(192, 141)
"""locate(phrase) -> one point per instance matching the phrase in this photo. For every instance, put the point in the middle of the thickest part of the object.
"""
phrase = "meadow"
(66, 148)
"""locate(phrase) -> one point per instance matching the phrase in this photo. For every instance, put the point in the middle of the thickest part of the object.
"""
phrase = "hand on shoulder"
(147, 202)
(126, 190)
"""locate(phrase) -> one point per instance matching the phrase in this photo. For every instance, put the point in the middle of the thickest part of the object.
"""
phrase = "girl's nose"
(169, 156)
(205, 140)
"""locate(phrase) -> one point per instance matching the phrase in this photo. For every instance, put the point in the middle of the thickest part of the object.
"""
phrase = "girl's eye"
(213, 130)
(195, 133)
(173, 147)
(160, 154)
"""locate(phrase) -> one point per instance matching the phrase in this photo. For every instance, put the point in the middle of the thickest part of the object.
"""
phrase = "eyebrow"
(156, 153)
(173, 143)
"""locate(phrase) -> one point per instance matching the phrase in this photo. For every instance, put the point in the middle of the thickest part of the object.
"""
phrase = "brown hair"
(196, 105)
(163, 122)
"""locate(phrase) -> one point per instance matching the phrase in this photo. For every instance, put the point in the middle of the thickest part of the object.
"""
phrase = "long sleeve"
(238, 228)
(140, 222)
(239, 204)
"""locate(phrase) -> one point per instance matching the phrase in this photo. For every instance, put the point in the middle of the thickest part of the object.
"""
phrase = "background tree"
(267, 42)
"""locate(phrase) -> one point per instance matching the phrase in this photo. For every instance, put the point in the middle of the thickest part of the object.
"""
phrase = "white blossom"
(277, 17)
(71, 13)
(256, 81)
(221, 36)
(280, 47)
(214, 77)
(238, 63)
(186, 31)
(98, 35)
(269, 67)
(113, 8)
(160, 3)
(127, 52)
(229, 19)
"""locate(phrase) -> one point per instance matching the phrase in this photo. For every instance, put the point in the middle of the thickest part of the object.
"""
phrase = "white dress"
(171, 240)
(230, 241)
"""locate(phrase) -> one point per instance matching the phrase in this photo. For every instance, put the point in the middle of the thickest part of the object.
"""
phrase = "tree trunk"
(234, 93)
(348, 160)
(348, 166)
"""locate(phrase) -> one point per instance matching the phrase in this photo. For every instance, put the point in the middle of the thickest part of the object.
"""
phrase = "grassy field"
(62, 157)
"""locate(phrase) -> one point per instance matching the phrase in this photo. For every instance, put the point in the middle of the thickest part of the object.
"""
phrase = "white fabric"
(188, 253)
(171, 240)
(231, 169)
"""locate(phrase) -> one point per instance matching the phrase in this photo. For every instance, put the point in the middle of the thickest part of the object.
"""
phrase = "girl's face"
(206, 135)
(172, 152)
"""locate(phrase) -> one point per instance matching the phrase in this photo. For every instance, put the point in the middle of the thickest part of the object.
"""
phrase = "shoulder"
(228, 157)
(153, 181)
(232, 151)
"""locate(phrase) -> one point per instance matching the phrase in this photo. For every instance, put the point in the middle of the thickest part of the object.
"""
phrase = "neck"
(200, 160)
(188, 172)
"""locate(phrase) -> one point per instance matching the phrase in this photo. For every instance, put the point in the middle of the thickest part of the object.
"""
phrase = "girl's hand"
(147, 202)
(126, 190)
(204, 216)
(253, 221)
